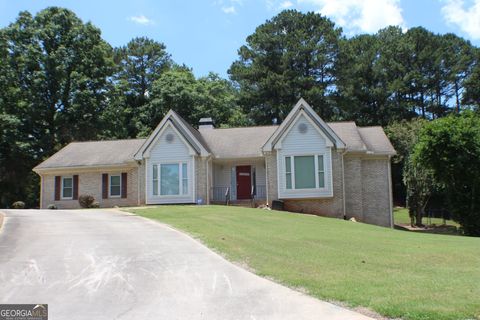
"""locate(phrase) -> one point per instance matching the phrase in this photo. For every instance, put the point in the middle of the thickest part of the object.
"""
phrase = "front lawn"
(395, 273)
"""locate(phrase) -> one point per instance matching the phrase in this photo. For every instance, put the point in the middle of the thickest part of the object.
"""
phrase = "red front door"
(244, 182)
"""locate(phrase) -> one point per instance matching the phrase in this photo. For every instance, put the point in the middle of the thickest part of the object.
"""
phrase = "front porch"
(239, 181)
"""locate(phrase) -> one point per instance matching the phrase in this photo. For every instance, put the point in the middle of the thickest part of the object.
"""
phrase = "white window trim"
(180, 180)
(292, 169)
(62, 197)
(110, 185)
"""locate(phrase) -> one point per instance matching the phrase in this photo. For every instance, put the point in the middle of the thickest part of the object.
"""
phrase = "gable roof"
(303, 107)
(232, 143)
(190, 134)
(93, 154)
(376, 140)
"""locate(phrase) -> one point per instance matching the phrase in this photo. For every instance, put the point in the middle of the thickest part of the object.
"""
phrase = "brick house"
(332, 169)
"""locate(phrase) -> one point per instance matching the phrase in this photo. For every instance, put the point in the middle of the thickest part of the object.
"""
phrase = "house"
(333, 169)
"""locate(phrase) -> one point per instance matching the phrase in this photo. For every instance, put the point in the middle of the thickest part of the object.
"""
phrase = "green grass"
(395, 273)
(401, 217)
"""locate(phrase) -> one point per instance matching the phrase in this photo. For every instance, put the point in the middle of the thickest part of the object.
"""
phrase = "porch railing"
(221, 193)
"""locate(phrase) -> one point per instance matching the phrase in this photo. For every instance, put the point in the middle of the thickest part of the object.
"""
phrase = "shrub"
(52, 207)
(95, 205)
(18, 205)
(86, 201)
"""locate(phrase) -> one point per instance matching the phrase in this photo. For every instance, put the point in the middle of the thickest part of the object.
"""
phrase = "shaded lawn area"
(401, 216)
(395, 273)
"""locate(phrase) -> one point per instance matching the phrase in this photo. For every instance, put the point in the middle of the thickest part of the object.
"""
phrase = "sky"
(206, 34)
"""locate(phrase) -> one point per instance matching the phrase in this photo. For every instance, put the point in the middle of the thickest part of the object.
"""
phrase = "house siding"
(90, 183)
(169, 152)
(308, 143)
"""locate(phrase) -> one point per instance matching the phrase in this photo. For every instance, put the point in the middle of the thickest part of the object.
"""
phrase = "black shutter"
(124, 184)
(105, 186)
(58, 184)
(75, 187)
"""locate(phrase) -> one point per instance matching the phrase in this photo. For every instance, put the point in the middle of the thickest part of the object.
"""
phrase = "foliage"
(192, 98)
(18, 205)
(335, 260)
(52, 206)
(95, 204)
(290, 56)
(86, 201)
(403, 135)
(420, 186)
(450, 148)
(139, 64)
(53, 85)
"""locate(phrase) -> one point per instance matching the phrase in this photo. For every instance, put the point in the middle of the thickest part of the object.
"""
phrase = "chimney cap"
(206, 123)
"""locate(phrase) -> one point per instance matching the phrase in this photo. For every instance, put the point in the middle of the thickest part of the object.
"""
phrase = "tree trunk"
(418, 218)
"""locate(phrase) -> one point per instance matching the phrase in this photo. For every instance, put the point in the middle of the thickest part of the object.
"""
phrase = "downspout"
(266, 178)
(138, 183)
(208, 181)
(390, 195)
(41, 191)
(343, 186)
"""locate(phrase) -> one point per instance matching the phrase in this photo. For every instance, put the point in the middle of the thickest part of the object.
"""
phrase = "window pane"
(115, 190)
(114, 180)
(184, 179)
(67, 182)
(67, 192)
(288, 173)
(289, 180)
(320, 163)
(169, 179)
(155, 180)
(304, 167)
(321, 180)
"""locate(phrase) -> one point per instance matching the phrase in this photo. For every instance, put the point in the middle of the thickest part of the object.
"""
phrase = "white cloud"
(361, 15)
(467, 19)
(141, 19)
(229, 9)
(285, 5)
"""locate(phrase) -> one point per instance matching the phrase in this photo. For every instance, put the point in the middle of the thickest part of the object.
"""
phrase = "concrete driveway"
(104, 264)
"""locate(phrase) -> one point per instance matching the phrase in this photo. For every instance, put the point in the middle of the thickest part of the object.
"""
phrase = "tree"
(450, 148)
(139, 64)
(403, 135)
(420, 185)
(290, 56)
(192, 98)
(54, 75)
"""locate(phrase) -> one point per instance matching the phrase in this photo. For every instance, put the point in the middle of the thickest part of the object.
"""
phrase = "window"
(170, 179)
(155, 180)
(184, 179)
(115, 185)
(288, 172)
(304, 172)
(67, 188)
(321, 172)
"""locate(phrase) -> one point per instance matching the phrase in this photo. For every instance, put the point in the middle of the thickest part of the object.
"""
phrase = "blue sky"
(205, 34)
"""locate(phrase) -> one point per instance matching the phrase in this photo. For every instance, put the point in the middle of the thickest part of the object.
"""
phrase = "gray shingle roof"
(93, 153)
(376, 140)
(233, 143)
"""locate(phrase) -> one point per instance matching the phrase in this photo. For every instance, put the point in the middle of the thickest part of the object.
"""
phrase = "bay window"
(304, 172)
(170, 179)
